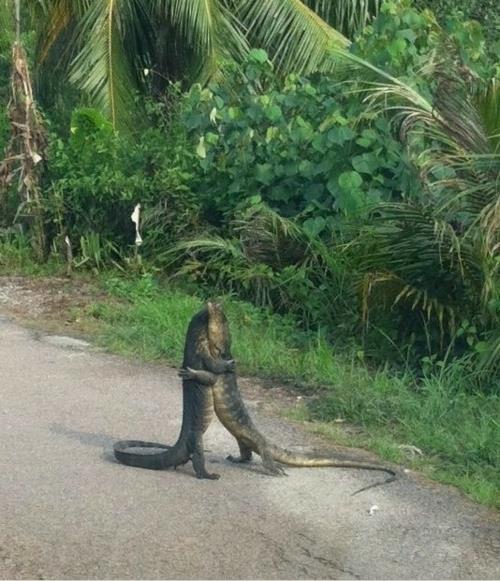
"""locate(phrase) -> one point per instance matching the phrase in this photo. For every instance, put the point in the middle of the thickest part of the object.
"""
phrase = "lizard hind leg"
(199, 468)
(270, 466)
(261, 447)
(198, 460)
(245, 454)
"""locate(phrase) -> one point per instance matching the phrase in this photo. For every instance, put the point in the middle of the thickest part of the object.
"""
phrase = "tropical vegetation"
(333, 163)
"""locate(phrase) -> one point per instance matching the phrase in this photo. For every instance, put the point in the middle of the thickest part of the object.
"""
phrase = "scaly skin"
(231, 411)
(205, 337)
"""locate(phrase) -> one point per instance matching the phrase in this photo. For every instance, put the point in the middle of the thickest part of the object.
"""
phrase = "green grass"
(457, 429)
(17, 257)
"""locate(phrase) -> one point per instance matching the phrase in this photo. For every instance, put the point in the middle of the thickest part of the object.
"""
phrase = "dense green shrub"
(405, 42)
(304, 145)
(96, 177)
(485, 12)
(312, 146)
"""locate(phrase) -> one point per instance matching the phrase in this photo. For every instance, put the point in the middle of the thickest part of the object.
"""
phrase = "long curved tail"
(140, 454)
(304, 460)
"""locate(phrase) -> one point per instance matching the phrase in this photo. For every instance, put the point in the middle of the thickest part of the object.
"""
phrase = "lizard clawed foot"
(230, 365)
(186, 373)
(208, 476)
(238, 459)
(274, 469)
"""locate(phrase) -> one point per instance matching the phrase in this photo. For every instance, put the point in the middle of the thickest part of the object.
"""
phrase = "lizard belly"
(207, 410)
(231, 411)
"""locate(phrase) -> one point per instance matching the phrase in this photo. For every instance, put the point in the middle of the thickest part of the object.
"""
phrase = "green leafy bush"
(404, 42)
(433, 261)
(274, 262)
(304, 145)
(96, 177)
(484, 11)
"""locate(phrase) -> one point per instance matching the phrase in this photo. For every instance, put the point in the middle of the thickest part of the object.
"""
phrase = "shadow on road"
(89, 439)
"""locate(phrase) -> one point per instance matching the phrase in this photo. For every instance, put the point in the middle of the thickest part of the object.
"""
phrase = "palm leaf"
(487, 101)
(390, 290)
(57, 18)
(209, 244)
(208, 27)
(346, 16)
(268, 238)
(489, 359)
(102, 68)
(295, 36)
(116, 40)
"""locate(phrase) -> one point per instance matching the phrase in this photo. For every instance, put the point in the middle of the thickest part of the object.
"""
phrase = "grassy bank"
(456, 430)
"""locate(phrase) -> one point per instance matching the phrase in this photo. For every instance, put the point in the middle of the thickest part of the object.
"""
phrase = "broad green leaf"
(314, 226)
(273, 113)
(211, 137)
(397, 47)
(350, 181)
(339, 135)
(365, 163)
(332, 186)
(368, 137)
(264, 173)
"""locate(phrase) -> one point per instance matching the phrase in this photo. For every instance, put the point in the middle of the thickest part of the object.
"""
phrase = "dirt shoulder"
(50, 303)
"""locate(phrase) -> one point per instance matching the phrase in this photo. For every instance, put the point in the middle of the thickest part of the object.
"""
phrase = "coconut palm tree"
(111, 48)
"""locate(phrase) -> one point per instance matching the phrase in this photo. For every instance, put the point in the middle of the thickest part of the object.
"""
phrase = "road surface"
(68, 510)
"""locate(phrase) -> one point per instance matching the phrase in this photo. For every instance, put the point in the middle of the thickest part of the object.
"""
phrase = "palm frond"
(211, 27)
(377, 288)
(424, 252)
(102, 68)
(346, 16)
(297, 38)
(209, 245)
(58, 15)
(487, 102)
(455, 116)
(489, 358)
(268, 238)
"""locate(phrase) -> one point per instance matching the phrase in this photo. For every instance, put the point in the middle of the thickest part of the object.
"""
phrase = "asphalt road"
(69, 511)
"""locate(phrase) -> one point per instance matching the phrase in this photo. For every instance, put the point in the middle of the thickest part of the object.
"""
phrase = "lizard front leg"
(199, 375)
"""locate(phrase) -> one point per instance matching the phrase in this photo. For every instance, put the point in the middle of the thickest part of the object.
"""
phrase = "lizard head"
(219, 338)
